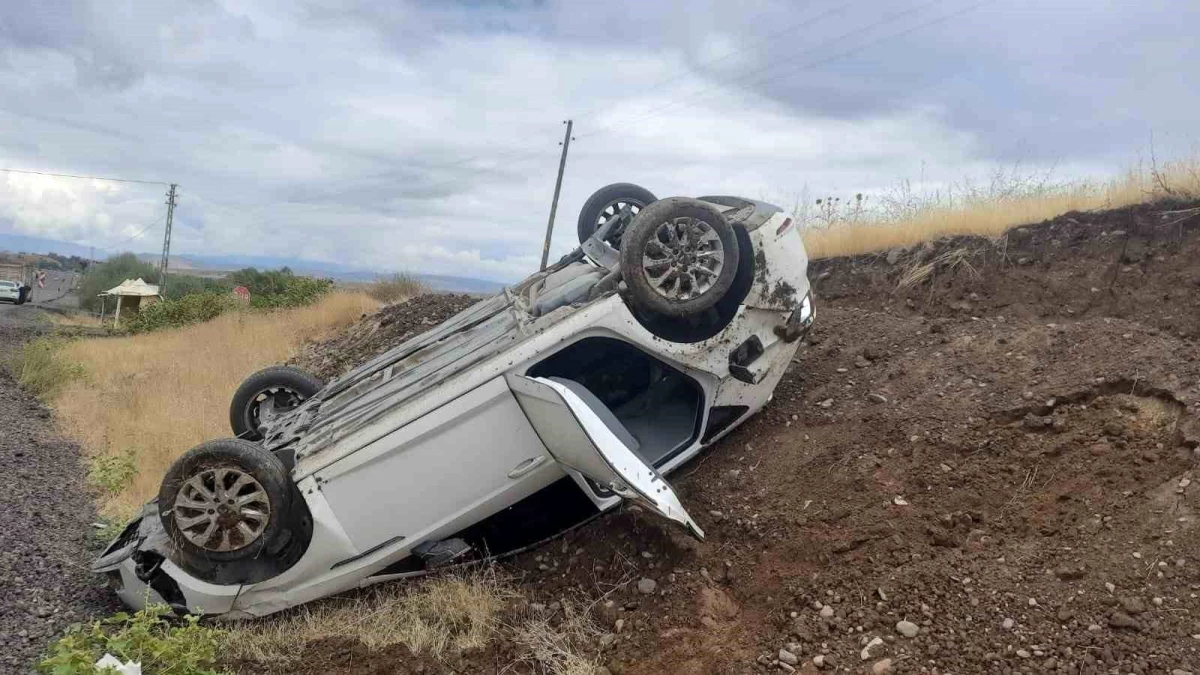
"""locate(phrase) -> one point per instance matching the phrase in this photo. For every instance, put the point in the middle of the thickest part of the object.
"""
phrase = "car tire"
(225, 500)
(605, 202)
(699, 255)
(288, 387)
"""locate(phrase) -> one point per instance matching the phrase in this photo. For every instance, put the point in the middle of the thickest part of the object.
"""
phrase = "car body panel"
(393, 475)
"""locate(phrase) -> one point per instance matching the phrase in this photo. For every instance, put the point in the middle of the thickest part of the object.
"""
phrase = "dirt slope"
(994, 442)
(379, 332)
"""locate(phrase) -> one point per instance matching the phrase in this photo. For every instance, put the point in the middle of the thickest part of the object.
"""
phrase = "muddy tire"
(606, 202)
(679, 257)
(271, 390)
(225, 500)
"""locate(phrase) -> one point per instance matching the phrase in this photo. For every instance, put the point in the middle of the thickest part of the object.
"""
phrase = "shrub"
(265, 283)
(112, 272)
(396, 287)
(293, 292)
(40, 368)
(182, 312)
(179, 285)
(162, 647)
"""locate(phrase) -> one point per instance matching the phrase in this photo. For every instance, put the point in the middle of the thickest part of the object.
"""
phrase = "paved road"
(46, 513)
(56, 291)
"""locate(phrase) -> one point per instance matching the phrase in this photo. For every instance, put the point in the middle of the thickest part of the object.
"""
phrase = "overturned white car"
(524, 415)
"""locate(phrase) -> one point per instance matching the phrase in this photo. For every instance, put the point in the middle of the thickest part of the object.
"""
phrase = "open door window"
(582, 434)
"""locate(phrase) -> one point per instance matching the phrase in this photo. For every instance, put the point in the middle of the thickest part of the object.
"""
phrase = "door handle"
(526, 466)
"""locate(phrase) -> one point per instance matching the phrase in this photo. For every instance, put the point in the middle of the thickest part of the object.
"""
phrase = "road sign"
(242, 293)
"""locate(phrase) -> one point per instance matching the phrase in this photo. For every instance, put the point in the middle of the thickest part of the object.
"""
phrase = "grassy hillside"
(834, 226)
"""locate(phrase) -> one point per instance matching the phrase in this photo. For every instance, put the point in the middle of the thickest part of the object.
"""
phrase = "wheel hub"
(683, 259)
(222, 509)
(270, 403)
(613, 208)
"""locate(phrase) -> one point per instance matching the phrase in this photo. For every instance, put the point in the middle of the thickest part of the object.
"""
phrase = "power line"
(756, 44)
(526, 154)
(805, 66)
(71, 175)
(142, 231)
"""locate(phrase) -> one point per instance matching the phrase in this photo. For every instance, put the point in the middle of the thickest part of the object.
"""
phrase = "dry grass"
(146, 399)
(1010, 200)
(396, 288)
(75, 320)
(563, 644)
(435, 617)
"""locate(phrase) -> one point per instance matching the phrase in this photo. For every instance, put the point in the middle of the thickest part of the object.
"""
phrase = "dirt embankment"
(379, 332)
(983, 460)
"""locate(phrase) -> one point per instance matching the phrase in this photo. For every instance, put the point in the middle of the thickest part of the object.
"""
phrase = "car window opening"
(546, 514)
(657, 405)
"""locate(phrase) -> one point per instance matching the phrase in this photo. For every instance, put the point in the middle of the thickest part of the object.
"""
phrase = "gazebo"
(131, 294)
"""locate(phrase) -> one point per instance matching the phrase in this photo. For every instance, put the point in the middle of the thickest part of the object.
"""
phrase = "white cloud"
(424, 136)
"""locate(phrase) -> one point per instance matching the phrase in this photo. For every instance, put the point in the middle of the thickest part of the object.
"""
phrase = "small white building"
(132, 294)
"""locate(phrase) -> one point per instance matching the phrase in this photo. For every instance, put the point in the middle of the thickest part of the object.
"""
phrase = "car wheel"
(266, 394)
(225, 500)
(606, 203)
(679, 258)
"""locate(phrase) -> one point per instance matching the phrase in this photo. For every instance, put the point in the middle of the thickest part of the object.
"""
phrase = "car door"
(578, 436)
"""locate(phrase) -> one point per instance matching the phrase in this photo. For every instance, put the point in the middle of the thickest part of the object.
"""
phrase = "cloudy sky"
(424, 135)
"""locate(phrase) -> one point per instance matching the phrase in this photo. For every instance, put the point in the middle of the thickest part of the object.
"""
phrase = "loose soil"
(993, 440)
(46, 513)
(379, 332)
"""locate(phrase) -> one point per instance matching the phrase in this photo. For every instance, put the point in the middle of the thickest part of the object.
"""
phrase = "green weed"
(162, 646)
(112, 473)
(40, 367)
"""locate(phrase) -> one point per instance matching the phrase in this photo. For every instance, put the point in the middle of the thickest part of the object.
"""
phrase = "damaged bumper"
(136, 566)
(799, 322)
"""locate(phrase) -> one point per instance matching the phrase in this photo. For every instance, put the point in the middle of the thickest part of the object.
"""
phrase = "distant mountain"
(27, 244)
(210, 264)
(213, 265)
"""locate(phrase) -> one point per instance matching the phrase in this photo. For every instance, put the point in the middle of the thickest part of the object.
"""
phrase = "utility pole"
(166, 254)
(562, 164)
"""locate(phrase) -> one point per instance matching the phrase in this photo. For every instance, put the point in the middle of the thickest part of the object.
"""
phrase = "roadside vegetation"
(151, 637)
(445, 614)
(136, 402)
(396, 287)
(192, 299)
(40, 367)
(437, 619)
(853, 224)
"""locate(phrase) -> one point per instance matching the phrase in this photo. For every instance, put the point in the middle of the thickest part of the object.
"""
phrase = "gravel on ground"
(47, 514)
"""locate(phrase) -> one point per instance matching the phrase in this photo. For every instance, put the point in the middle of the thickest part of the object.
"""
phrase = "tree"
(112, 272)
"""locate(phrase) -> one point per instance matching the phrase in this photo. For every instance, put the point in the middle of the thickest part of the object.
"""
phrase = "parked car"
(519, 418)
(11, 291)
(19, 275)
